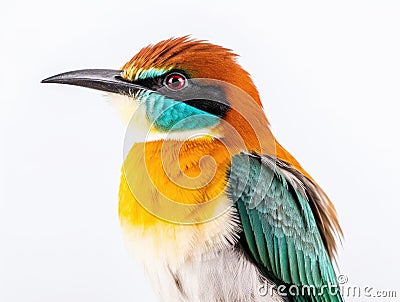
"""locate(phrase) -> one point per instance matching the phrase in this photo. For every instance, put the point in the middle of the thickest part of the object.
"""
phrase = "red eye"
(175, 81)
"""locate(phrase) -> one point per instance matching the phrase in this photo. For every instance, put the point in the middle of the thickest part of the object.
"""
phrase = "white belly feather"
(197, 263)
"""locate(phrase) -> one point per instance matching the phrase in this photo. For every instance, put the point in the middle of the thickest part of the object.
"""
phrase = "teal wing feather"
(280, 232)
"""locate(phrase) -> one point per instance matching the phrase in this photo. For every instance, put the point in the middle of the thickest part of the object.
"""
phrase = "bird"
(211, 205)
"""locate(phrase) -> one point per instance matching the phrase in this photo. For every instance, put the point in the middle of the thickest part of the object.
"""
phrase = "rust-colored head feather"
(198, 58)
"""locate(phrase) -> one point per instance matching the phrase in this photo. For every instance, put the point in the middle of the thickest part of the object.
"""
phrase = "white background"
(328, 74)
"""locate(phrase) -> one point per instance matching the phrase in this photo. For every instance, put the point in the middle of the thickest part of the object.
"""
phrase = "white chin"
(125, 106)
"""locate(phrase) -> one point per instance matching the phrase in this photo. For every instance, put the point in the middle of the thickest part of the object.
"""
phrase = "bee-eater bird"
(210, 203)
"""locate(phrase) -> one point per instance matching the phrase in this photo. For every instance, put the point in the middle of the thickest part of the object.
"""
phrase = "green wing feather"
(280, 232)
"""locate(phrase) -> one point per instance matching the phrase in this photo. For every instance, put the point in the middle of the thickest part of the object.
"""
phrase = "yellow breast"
(173, 181)
(172, 202)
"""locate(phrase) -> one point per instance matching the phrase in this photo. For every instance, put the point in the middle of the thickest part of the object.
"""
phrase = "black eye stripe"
(214, 107)
(208, 98)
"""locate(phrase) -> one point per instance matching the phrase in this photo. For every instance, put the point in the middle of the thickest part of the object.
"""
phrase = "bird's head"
(181, 88)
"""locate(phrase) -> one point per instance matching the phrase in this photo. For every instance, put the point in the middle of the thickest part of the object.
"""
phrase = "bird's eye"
(175, 81)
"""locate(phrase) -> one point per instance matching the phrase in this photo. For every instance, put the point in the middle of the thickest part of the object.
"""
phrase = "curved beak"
(100, 79)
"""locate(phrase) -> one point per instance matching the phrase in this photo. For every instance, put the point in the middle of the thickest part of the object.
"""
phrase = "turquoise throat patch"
(170, 115)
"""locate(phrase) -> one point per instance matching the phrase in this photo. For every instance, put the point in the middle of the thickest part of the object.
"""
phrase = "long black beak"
(100, 79)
